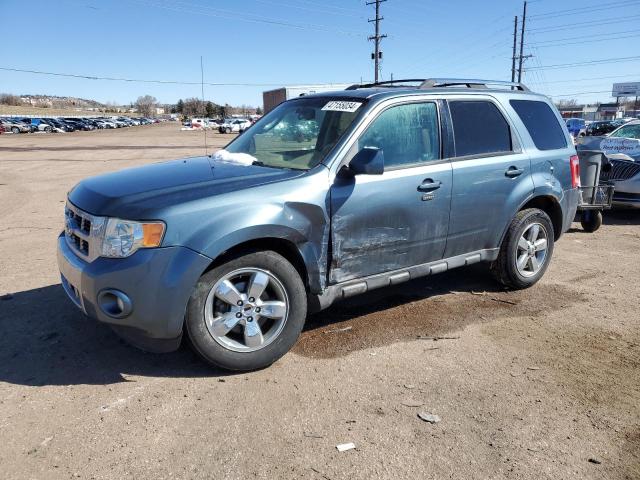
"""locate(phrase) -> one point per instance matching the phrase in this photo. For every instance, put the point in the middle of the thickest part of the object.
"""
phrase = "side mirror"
(368, 161)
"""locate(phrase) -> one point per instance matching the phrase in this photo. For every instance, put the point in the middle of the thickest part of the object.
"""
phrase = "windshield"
(628, 131)
(297, 134)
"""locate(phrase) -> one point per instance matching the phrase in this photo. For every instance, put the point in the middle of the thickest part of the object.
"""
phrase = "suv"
(396, 182)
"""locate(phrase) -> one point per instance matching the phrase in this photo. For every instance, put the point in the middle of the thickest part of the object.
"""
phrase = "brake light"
(574, 161)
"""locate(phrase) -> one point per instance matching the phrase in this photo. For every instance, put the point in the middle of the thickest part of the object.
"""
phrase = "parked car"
(233, 125)
(234, 249)
(13, 126)
(28, 122)
(79, 123)
(57, 125)
(622, 146)
(1, 128)
(577, 127)
(600, 128)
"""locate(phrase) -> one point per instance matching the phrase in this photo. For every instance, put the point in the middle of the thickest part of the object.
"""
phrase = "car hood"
(143, 192)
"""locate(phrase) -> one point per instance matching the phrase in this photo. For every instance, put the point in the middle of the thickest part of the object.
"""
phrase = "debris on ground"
(533, 368)
(435, 339)
(508, 302)
(343, 447)
(428, 417)
(595, 460)
(479, 293)
(312, 435)
(340, 330)
(412, 403)
(408, 386)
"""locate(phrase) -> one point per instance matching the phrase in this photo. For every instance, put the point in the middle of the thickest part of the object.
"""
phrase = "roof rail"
(470, 83)
(385, 83)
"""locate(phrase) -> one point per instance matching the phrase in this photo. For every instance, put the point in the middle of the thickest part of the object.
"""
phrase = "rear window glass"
(479, 128)
(542, 124)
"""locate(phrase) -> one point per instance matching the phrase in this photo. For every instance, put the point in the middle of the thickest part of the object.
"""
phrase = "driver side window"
(407, 134)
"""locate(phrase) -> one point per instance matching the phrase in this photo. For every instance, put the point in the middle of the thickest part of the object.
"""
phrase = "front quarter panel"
(293, 210)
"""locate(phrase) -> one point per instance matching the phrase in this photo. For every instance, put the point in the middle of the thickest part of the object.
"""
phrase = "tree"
(146, 105)
(572, 102)
(258, 111)
(8, 99)
(209, 109)
(180, 106)
(222, 111)
(193, 106)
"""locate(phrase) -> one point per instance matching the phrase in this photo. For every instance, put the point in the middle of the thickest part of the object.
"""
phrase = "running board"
(351, 288)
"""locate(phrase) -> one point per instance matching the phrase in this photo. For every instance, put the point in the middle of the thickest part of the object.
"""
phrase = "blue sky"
(308, 41)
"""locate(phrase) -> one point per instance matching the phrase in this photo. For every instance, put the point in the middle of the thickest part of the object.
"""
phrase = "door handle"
(428, 185)
(513, 172)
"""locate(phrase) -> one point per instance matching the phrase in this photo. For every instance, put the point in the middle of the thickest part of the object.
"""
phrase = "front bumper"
(626, 193)
(158, 282)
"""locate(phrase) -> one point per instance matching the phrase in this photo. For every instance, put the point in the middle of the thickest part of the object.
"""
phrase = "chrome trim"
(87, 228)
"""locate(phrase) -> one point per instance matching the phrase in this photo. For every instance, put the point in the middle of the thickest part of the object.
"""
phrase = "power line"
(228, 14)
(608, 21)
(377, 37)
(590, 62)
(140, 80)
(561, 44)
(582, 36)
(602, 6)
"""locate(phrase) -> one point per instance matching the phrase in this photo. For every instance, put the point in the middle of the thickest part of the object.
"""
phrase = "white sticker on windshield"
(342, 106)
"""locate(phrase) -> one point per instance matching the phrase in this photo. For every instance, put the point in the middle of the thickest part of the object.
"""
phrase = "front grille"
(621, 170)
(81, 229)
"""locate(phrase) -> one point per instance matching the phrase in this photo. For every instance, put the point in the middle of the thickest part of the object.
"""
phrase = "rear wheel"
(526, 250)
(15, 130)
(591, 220)
(247, 313)
(227, 130)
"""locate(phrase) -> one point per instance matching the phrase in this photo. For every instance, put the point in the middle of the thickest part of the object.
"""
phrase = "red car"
(1, 129)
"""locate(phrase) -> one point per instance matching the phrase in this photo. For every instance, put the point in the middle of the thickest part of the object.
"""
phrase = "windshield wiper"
(260, 163)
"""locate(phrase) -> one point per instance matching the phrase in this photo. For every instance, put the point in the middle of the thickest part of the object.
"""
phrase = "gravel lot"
(543, 383)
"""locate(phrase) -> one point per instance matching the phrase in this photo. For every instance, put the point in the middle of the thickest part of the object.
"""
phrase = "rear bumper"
(569, 205)
(158, 282)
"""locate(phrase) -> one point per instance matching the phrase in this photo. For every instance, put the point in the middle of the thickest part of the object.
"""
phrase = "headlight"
(123, 237)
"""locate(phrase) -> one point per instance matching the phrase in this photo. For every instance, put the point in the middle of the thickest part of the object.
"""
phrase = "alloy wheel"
(531, 252)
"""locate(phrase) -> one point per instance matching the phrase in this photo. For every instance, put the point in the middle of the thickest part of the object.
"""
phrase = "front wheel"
(15, 130)
(248, 312)
(526, 250)
(591, 220)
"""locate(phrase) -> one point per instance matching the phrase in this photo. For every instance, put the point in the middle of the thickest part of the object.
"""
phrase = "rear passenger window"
(407, 134)
(542, 124)
(479, 128)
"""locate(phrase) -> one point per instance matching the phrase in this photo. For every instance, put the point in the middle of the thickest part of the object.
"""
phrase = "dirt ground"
(542, 383)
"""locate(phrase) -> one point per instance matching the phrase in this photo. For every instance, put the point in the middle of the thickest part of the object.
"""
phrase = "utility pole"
(377, 55)
(515, 45)
(521, 58)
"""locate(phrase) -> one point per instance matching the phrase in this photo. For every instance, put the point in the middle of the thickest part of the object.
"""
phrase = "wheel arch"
(551, 206)
(288, 249)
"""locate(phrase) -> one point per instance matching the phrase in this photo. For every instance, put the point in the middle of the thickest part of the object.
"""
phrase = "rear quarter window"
(479, 128)
(542, 124)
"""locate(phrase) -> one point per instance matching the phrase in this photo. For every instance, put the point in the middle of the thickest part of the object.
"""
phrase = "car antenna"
(204, 129)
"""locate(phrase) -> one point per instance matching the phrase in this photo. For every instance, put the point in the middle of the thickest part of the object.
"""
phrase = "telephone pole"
(377, 55)
(521, 57)
(515, 45)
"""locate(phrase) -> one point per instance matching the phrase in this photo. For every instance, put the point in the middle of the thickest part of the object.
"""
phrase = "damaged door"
(398, 219)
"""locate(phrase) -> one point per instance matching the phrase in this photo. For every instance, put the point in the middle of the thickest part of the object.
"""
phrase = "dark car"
(601, 128)
(80, 124)
(391, 184)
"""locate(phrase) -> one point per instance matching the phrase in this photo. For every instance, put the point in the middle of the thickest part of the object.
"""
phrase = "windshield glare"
(297, 134)
(628, 131)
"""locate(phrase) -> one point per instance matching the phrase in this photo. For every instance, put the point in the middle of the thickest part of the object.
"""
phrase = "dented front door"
(386, 222)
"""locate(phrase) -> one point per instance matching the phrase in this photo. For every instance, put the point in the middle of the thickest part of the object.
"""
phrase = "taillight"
(574, 161)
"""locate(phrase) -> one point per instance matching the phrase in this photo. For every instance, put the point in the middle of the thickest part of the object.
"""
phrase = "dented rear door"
(386, 222)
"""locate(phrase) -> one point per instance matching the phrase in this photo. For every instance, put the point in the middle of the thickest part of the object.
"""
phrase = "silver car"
(14, 127)
(622, 146)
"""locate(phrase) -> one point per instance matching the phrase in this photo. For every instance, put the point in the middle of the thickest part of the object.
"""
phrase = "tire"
(47, 129)
(227, 130)
(15, 130)
(519, 244)
(591, 220)
(237, 349)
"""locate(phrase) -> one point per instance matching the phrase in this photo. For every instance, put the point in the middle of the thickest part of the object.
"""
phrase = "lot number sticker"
(340, 106)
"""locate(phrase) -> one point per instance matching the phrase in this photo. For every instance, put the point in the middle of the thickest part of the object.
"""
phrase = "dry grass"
(54, 112)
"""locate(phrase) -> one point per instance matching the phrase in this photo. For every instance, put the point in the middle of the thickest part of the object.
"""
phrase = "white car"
(234, 125)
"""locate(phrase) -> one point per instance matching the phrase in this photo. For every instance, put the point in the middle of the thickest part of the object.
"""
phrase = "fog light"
(114, 303)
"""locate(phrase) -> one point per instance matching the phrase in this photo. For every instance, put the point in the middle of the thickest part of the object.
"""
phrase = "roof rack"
(425, 83)
(386, 83)
(470, 83)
